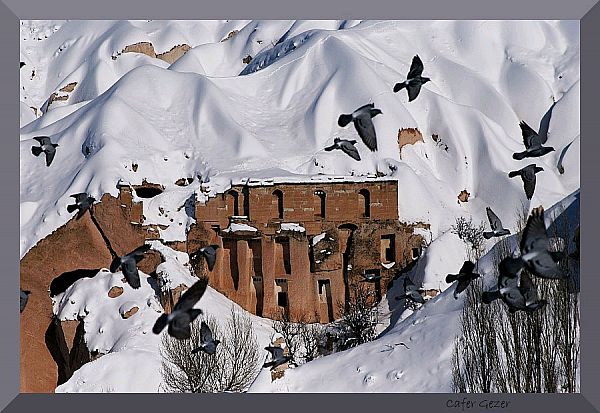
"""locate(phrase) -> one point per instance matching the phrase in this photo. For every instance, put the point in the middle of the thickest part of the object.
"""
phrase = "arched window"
(320, 203)
(278, 198)
(364, 202)
(233, 203)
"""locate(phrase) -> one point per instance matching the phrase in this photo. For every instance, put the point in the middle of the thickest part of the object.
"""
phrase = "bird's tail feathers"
(488, 235)
(519, 155)
(71, 208)
(512, 174)
(451, 278)
(330, 148)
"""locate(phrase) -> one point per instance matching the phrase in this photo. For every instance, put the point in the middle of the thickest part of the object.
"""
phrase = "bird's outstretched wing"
(351, 151)
(50, 157)
(139, 251)
(535, 236)
(467, 268)
(530, 137)
(205, 333)
(366, 131)
(191, 296)
(529, 184)
(131, 273)
(495, 222)
(416, 68)
(210, 253)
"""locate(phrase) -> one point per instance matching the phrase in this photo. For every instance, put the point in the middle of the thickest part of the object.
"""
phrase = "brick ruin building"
(294, 246)
(299, 246)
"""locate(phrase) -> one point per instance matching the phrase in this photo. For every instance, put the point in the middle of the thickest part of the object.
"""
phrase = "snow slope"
(212, 117)
(413, 355)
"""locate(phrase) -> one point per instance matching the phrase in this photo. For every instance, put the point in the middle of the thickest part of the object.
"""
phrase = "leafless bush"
(359, 318)
(231, 369)
(303, 339)
(472, 235)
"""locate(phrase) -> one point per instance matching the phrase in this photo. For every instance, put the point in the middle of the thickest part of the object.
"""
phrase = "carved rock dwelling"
(294, 246)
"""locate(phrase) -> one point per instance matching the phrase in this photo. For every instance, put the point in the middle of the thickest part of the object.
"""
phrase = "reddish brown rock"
(130, 312)
(409, 136)
(463, 196)
(115, 291)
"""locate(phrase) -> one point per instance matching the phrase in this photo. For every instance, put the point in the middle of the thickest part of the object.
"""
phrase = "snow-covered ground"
(212, 117)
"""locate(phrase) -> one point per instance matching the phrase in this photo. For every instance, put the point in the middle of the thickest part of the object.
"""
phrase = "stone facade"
(267, 267)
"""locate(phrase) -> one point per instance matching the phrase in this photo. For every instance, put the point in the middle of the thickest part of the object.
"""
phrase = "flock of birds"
(518, 293)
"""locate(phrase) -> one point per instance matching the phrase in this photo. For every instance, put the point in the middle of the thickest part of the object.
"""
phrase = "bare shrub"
(231, 369)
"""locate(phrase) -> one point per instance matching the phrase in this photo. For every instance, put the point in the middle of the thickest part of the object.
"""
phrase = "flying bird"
(411, 292)
(209, 253)
(82, 203)
(533, 144)
(46, 147)
(128, 264)
(414, 80)
(277, 357)
(495, 225)
(207, 343)
(535, 250)
(464, 277)
(346, 146)
(528, 176)
(22, 64)
(362, 118)
(183, 313)
(370, 277)
(24, 298)
(517, 297)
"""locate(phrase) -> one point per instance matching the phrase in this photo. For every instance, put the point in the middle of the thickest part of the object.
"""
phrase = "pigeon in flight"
(207, 343)
(528, 176)
(183, 313)
(414, 80)
(535, 252)
(370, 277)
(277, 357)
(24, 298)
(411, 292)
(533, 144)
(464, 277)
(82, 203)
(209, 253)
(46, 147)
(517, 297)
(346, 146)
(128, 264)
(363, 124)
(495, 224)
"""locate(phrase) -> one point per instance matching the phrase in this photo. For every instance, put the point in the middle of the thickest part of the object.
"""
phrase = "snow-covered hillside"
(212, 117)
